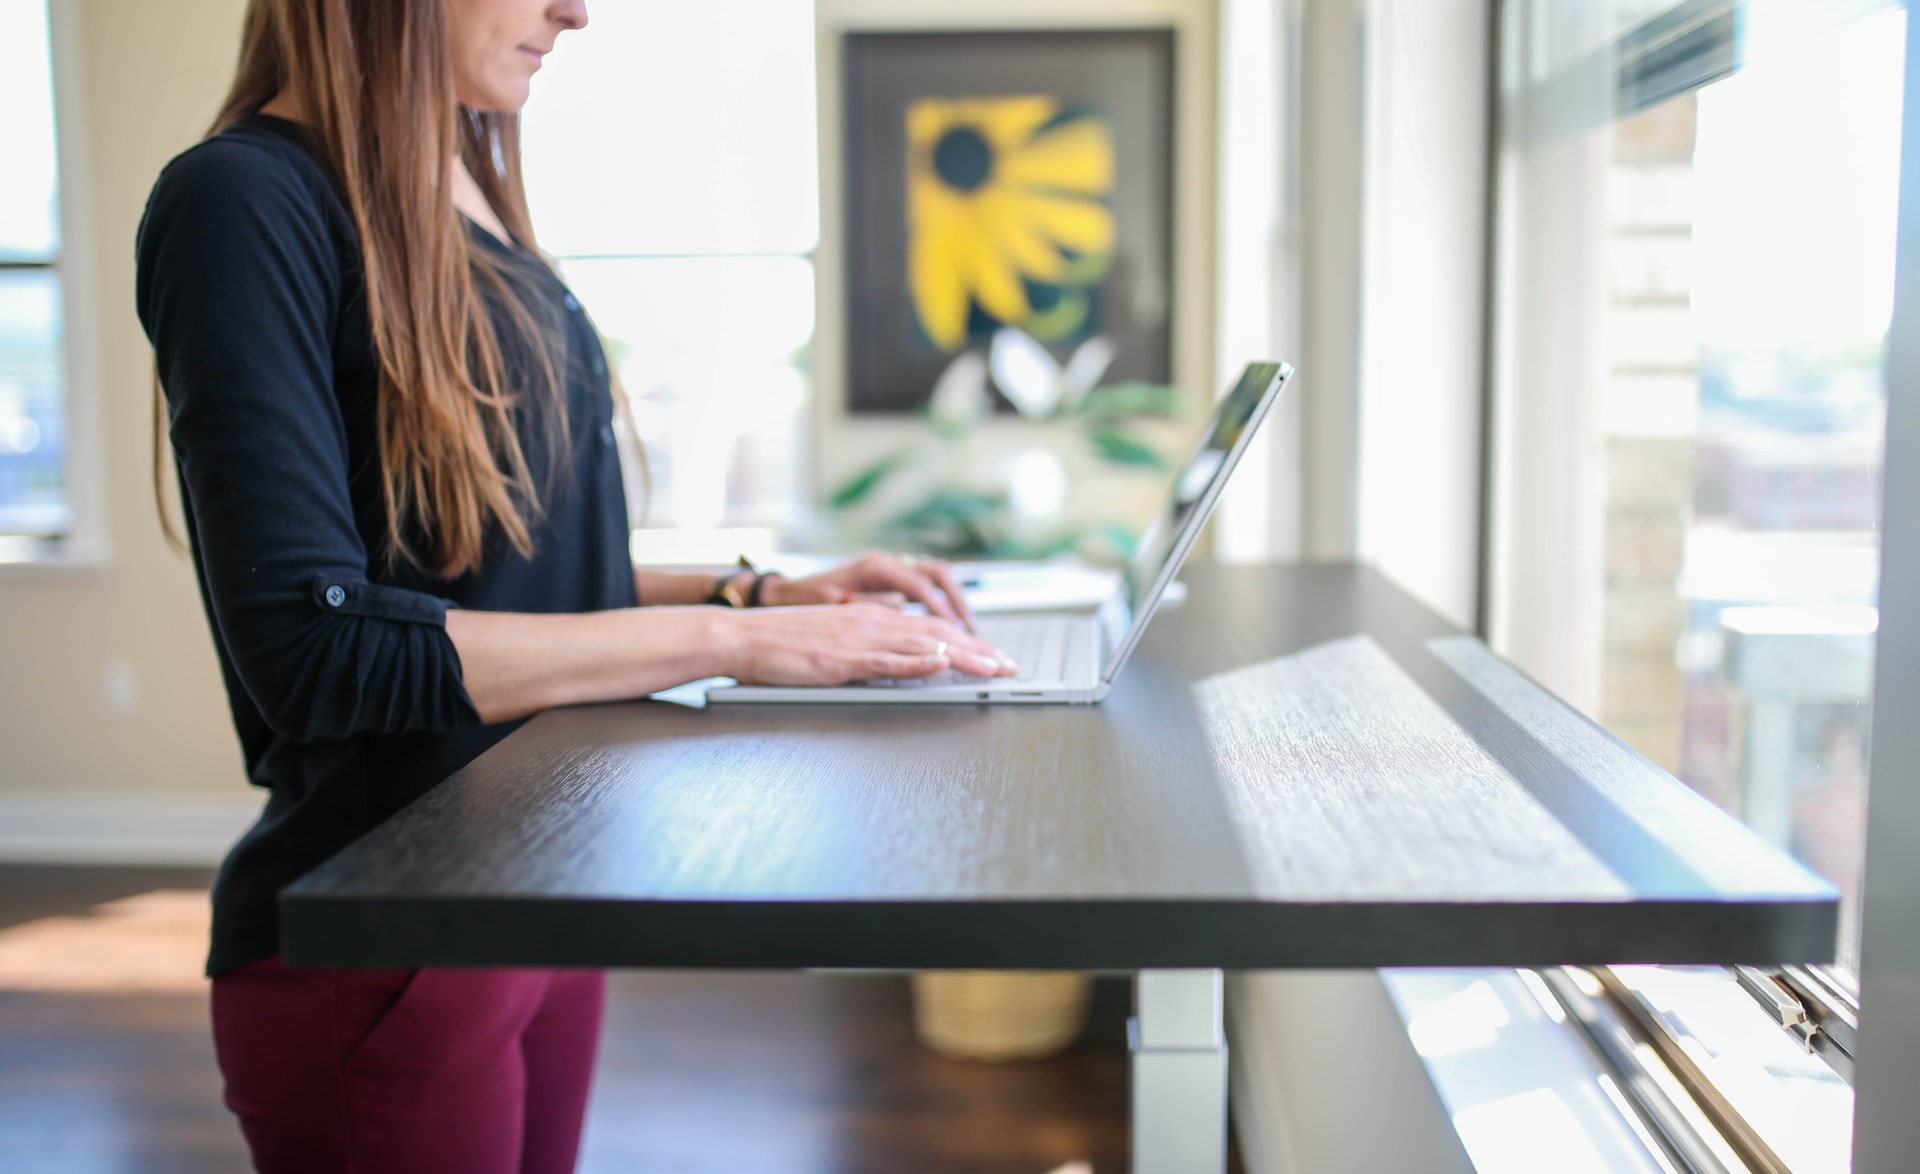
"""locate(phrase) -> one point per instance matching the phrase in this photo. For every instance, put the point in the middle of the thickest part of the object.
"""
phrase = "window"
(1694, 280)
(34, 478)
(670, 155)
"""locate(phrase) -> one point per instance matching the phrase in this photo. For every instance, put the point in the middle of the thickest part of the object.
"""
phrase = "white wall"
(1325, 1081)
(1258, 312)
(1422, 297)
(1293, 181)
(1333, 179)
(1352, 243)
(1547, 538)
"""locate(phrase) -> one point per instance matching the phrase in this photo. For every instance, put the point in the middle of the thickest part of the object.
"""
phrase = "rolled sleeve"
(239, 288)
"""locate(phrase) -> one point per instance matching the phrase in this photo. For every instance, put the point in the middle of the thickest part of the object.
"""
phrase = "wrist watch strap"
(727, 591)
(757, 591)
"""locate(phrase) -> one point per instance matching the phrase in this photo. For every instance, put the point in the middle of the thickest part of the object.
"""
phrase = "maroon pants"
(369, 1071)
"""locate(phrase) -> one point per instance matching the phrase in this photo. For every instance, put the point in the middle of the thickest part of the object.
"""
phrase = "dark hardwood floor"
(741, 1073)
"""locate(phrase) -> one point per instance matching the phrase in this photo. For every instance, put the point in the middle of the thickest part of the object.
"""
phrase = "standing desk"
(1302, 766)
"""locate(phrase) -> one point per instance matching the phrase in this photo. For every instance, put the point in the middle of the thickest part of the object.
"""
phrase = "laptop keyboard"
(1037, 645)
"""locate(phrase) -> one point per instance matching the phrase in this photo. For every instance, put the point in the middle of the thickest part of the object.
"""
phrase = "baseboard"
(122, 827)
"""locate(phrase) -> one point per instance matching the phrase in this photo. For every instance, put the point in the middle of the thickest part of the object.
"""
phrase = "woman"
(392, 430)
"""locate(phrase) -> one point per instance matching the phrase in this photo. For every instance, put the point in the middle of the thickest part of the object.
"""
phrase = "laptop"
(1074, 658)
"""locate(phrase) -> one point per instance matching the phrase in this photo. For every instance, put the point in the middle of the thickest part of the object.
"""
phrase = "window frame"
(1679, 50)
(85, 549)
(1885, 1130)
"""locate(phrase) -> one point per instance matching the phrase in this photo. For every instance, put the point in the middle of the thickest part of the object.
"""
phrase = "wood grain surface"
(1302, 766)
(1313, 748)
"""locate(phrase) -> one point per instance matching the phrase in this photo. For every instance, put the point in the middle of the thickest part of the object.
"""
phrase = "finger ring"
(909, 561)
(941, 651)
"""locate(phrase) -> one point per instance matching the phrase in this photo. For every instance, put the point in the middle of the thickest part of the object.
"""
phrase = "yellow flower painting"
(1004, 193)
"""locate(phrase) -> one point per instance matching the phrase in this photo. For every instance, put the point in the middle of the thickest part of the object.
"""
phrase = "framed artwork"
(999, 179)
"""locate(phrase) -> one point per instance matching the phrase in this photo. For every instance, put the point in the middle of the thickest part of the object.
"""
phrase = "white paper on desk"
(693, 694)
(999, 587)
(1008, 586)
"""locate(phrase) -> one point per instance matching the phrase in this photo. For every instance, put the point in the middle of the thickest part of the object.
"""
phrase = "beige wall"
(141, 79)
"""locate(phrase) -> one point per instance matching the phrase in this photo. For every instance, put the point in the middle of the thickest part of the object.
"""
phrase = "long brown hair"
(375, 81)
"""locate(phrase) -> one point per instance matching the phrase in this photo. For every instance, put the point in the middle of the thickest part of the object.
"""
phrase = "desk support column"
(1179, 1073)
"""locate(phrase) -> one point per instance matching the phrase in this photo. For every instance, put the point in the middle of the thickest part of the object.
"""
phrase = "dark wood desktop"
(1300, 767)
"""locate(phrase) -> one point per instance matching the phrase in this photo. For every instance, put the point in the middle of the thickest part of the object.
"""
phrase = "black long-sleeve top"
(345, 689)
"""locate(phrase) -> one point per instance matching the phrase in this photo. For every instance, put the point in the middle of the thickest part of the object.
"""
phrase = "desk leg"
(1179, 1073)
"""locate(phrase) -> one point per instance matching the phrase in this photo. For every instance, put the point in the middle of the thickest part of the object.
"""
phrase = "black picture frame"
(1124, 76)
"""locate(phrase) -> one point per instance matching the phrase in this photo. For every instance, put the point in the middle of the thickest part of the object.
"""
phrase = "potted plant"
(938, 497)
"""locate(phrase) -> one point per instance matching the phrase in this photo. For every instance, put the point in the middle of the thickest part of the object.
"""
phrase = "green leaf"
(1065, 542)
(1132, 398)
(1122, 449)
(951, 522)
(1120, 538)
(856, 489)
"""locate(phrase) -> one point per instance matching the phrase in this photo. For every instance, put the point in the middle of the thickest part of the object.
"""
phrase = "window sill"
(1530, 1078)
(1522, 1091)
(24, 558)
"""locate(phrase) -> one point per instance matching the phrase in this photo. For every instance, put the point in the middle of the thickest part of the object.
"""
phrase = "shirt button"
(572, 302)
(336, 595)
(599, 365)
(606, 436)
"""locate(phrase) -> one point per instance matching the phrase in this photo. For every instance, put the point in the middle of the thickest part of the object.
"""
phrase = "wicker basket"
(997, 1014)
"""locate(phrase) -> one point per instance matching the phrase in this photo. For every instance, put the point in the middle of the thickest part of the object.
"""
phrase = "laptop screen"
(1164, 544)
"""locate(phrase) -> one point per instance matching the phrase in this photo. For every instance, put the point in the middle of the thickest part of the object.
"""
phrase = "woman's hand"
(885, 578)
(860, 642)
